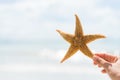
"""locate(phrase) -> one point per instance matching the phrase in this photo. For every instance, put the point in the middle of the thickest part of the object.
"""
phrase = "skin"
(110, 64)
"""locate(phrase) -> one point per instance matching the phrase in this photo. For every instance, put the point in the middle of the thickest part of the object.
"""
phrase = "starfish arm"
(89, 38)
(67, 37)
(72, 50)
(78, 30)
(86, 50)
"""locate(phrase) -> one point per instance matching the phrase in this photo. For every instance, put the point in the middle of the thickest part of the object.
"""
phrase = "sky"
(31, 21)
(29, 41)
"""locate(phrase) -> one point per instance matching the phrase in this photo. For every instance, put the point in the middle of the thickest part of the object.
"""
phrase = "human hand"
(110, 64)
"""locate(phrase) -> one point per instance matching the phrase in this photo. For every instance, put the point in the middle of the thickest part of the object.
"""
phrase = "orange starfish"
(78, 41)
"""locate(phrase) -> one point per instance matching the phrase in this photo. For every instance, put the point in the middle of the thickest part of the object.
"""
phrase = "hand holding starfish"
(78, 41)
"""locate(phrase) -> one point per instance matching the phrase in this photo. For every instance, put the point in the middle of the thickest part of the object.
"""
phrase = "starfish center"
(78, 41)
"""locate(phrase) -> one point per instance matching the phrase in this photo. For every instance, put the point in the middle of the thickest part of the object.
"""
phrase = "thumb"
(105, 64)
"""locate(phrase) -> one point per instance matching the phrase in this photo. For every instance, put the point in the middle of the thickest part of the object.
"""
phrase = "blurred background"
(31, 49)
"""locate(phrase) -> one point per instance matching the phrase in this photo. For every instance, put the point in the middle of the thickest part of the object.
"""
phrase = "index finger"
(107, 57)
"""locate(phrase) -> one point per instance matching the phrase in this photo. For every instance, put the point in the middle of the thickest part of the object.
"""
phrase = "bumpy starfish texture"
(78, 41)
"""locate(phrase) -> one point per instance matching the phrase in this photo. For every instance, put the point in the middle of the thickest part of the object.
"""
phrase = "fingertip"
(94, 63)
(95, 58)
(104, 71)
(99, 66)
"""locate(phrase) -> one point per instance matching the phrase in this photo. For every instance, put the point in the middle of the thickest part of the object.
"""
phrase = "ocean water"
(42, 62)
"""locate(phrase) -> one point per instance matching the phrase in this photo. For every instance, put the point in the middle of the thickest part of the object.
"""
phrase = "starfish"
(78, 41)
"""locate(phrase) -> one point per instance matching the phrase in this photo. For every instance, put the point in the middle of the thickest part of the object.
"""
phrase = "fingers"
(101, 62)
(107, 57)
(105, 61)
(97, 64)
(103, 70)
